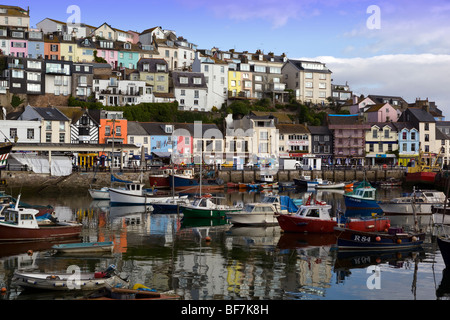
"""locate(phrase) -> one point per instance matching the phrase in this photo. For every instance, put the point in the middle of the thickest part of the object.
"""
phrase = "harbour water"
(166, 253)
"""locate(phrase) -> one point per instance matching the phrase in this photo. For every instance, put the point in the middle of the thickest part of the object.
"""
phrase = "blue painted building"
(36, 45)
(408, 143)
(129, 55)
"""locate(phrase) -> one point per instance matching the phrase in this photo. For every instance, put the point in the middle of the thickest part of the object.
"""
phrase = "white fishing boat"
(135, 194)
(330, 185)
(99, 194)
(422, 201)
(84, 247)
(258, 214)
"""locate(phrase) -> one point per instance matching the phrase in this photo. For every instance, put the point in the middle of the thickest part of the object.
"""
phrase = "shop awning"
(162, 154)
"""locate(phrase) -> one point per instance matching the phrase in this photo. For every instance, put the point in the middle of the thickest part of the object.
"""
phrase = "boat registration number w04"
(360, 238)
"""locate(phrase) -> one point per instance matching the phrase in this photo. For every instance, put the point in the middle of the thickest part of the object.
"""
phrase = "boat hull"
(61, 281)
(159, 181)
(85, 247)
(357, 240)
(424, 177)
(123, 198)
(330, 186)
(406, 209)
(193, 185)
(10, 233)
(99, 194)
(294, 223)
(361, 207)
(256, 219)
(444, 247)
(5, 150)
(190, 213)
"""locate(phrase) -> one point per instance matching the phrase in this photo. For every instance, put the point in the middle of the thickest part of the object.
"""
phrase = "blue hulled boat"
(361, 202)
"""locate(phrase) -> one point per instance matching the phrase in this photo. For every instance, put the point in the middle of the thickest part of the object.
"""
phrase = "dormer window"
(169, 129)
(127, 46)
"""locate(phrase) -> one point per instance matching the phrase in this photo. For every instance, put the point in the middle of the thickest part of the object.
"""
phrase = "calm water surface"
(239, 263)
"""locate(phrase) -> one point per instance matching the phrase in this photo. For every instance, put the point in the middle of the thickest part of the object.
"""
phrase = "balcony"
(15, 66)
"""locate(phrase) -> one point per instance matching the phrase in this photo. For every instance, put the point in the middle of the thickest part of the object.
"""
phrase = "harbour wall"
(79, 182)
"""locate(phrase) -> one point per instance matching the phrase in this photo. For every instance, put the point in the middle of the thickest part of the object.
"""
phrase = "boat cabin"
(134, 186)
(365, 193)
(259, 208)
(322, 212)
(24, 218)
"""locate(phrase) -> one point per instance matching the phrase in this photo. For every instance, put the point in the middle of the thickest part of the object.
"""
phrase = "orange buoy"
(399, 241)
(378, 239)
(30, 252)
(207, 239)
(3, 290)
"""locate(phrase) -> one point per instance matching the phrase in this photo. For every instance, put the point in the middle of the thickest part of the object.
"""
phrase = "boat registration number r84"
(360, 238)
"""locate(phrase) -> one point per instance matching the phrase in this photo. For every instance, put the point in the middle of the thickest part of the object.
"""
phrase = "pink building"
(382, 112)
(19, 48)
(111, 56)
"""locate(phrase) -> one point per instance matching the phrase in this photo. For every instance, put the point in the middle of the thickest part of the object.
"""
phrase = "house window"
(48, 125)
(30, 134)
(62, 137)
(13, 133)
(48, 137)
(62, 126)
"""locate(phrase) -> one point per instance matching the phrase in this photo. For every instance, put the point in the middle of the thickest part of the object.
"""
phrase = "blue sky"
(406, 53)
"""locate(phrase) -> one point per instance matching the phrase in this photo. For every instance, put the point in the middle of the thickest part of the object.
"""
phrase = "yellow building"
(68, 50)
(234, 83)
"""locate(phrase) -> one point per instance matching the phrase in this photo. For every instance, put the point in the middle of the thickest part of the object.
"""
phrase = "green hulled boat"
(208, 207)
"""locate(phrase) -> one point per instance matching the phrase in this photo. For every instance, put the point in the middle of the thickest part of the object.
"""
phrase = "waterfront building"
(114, 127)
(190, 90)
(216, 77)
(408, 142)
(20, 131)
(348, 138)
(158, 142)
(322, 143)
(55, 126)
(444, 127)
(420, 118)
(382, 144)
(138, 136)
(310, 80)
(251, 139)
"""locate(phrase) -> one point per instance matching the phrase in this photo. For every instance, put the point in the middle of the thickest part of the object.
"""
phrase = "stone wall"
(79, 182)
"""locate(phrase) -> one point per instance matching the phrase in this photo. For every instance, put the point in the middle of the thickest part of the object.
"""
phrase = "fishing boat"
(362, 201)
(390, 182)
(257, 214)
(422, 172)
(330, 185)
(207, 206)
(283, 204)
(316, 217)
(422, 201)
(393, 239)
(83, 281)
(170, 205)
(134, 193)
(307, 183)
(21, 224)
(444, 246)
(84, 247)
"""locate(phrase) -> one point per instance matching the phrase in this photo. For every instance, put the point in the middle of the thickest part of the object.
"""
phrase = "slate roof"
(51, 114)
(152, 62)
(135, 128)
(292, 129)
(190, 75)
(319, 130)
(298, 65)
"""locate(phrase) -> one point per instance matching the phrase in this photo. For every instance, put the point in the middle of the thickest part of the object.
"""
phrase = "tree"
(16, 101)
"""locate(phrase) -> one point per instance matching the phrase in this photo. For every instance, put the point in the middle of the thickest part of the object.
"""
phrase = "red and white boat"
(316, 217)
(20, 224)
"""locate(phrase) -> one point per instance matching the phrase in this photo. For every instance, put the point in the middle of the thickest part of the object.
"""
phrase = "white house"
(20, 131)
(190, 90)
(216, 77)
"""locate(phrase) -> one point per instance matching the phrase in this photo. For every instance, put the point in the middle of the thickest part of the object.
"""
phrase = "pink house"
(111, 56)
(19, 48)
(382, 112)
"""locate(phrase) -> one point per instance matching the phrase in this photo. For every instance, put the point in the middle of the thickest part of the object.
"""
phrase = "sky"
(396, 47)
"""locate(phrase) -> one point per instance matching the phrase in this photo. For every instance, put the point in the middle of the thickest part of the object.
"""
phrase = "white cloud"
(409, 76)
